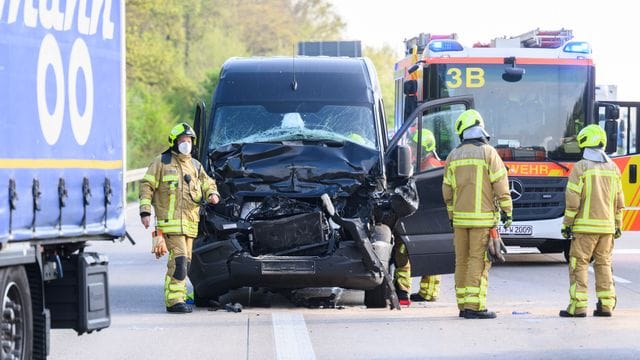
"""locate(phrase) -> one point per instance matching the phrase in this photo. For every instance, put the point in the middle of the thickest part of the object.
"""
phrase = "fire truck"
(535, 91)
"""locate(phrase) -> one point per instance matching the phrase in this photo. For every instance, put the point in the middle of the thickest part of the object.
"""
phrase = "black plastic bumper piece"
(213, 274)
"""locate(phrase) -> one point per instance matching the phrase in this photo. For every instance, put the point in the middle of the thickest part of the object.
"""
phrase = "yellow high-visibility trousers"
(472, 267)
(175, 284)
(583, 248)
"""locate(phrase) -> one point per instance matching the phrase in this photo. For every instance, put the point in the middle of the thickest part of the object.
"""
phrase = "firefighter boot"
(403, 297)
(565, 313)
(179, 308)
(418, 298)
(482, 314)
(599, 312)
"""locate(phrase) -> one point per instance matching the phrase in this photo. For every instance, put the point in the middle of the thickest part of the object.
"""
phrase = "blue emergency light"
(445, 45)
(581, 47)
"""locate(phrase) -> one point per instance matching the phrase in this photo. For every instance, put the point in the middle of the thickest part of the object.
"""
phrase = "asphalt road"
(527, 292)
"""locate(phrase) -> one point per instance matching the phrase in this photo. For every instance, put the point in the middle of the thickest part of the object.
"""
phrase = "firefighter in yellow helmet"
(429, 284)
(175, 185)
(593, 216)
(475, 189)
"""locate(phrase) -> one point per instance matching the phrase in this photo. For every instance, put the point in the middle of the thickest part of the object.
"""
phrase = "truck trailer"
(61, 167)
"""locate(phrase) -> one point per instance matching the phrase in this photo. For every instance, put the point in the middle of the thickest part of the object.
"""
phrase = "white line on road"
(291, 337)
(616, 278)
(626, 251)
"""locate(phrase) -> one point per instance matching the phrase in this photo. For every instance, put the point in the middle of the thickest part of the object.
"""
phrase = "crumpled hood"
(293, 168)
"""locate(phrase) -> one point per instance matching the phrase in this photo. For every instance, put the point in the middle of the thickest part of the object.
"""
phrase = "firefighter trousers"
(583, 248)
(472, 267)
(429, 284)
(175, 283)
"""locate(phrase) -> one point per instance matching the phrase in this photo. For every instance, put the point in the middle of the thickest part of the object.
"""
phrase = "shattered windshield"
(302, 122)
(540, 114)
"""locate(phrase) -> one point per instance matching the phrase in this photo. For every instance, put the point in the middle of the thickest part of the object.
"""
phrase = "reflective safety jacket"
(475, 186)
(594, 198)
(175, 200)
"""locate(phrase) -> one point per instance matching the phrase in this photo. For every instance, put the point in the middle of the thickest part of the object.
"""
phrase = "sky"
(611, 28)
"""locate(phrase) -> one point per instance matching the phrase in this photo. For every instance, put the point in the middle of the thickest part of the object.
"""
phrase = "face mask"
(185, 148)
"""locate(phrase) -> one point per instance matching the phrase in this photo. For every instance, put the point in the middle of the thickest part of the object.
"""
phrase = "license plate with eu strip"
(283, 267)
(516, 230)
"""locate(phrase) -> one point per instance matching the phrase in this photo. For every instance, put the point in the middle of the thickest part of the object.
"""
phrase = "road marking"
(616, 278)
(626, 251)
(291, 337)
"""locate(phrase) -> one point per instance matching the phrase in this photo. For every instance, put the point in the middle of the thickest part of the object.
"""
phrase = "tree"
(383, 59)
(175, 49)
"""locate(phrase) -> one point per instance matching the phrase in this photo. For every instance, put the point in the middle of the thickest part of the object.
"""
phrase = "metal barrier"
(132, 178)
(135, 175)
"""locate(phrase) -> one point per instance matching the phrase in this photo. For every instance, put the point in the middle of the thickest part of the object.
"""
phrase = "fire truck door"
(627, 157)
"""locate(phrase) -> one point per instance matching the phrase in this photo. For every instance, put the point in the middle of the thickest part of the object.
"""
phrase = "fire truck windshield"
(535, 118)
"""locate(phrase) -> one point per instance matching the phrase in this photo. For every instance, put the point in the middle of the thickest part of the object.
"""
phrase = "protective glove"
(495, 247)
(158, 245)
(566, 231)
(506, 219)
(618, 233)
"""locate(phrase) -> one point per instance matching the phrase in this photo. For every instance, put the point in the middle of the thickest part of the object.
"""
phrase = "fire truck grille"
(537, 198)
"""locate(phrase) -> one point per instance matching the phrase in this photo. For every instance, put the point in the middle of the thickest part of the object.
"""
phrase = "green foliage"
(175, 49)
(384, 59)
(149, 120)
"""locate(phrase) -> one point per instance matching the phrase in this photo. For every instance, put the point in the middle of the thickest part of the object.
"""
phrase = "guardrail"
(135, 175)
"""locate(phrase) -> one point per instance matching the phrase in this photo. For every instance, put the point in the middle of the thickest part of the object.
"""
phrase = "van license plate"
(516, 230)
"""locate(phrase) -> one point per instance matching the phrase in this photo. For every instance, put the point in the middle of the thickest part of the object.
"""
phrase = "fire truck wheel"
(16, 331)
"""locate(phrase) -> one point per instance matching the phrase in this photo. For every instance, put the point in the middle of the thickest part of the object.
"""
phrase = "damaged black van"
(313, 193)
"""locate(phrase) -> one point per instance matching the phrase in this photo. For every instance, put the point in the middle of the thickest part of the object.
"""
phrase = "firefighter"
(593, 216)
(476, 190)
(429, 284)
(175, 184)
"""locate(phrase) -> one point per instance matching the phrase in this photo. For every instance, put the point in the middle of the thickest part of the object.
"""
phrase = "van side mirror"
(404, 169)
(399, 163)
(611, 129)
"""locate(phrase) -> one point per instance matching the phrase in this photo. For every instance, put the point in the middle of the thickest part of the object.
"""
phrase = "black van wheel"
(199, 301)
(16, 331)
(374, 298)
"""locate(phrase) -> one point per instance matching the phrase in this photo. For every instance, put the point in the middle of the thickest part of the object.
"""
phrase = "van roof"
(258, 80)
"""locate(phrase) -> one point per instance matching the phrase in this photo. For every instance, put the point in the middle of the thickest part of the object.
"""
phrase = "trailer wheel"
(16, 333)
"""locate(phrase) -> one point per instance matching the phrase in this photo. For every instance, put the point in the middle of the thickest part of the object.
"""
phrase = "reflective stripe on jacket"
(594, 198)
(176, 202)
(475, 181)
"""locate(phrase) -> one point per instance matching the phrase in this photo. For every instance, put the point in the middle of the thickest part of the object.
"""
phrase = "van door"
(426, 233)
